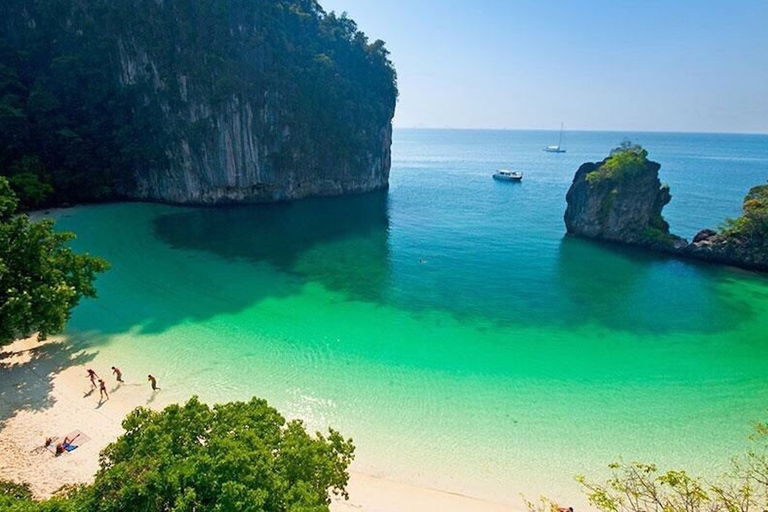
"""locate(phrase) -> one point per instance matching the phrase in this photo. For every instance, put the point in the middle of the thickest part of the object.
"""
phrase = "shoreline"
(47, 394)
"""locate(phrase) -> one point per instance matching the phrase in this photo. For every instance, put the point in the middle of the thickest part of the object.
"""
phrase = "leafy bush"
(754, 221)
(640, 487)
(626, 161)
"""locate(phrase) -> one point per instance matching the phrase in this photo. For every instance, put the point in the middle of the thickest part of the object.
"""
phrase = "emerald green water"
(446, 325)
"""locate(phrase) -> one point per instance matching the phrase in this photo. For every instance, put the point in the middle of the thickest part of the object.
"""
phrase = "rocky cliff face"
(627, 209)
(247, 156)
(211, 101)
(246, 147)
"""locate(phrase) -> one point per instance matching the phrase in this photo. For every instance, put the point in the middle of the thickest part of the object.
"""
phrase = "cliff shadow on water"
(626, 288)
(340, 242)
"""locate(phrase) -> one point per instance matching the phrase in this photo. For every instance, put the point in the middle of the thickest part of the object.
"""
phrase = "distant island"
(621, 199)
(199, 102)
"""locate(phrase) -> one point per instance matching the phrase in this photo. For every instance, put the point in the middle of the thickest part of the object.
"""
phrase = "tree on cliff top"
(41, 279)
(238, 456)
(626, 161)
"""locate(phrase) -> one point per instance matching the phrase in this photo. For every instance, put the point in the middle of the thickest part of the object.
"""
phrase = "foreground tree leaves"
(238, 456)
(41, 278)
(234, 456)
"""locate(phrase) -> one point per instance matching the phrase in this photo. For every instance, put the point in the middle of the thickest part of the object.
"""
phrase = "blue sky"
(595, 65)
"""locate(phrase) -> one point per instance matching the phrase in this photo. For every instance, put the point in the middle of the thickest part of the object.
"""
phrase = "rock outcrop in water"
(194, 102)
(621, 199)
(622, 204)
(743, 242)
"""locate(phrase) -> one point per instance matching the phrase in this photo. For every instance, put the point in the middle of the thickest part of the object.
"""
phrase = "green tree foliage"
(639, 487)
(626, 161)
(41, 278)
(69, 106)
(14, 495)
(238, 456)
(754, 221)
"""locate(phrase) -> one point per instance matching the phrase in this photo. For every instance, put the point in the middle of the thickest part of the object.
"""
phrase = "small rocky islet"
(621, 199)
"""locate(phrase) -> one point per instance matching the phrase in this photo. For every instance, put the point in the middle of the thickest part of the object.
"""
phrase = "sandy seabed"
(45, 392)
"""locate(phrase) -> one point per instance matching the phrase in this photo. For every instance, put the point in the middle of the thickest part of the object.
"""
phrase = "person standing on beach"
(151, 379)
(103, 389)
(93, 376)
(117, 373)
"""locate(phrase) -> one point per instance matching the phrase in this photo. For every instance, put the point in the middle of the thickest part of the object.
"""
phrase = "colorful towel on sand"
(76, 439)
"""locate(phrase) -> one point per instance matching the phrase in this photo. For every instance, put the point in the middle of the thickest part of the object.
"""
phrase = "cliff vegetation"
(625, 162)
(190, 101)
(754, 221)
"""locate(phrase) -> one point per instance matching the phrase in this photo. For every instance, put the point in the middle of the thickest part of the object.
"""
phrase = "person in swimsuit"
(103, 390)
(93, 377)
(117, 373)
(151, 379)
(62, 446)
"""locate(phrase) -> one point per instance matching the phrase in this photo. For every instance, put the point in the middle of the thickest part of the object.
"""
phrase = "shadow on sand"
(26, 375)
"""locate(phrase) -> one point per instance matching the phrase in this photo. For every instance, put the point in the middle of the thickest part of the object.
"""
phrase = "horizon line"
(447, 128)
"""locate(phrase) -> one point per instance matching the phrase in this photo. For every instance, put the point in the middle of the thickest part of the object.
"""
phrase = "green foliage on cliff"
(60, 115)
(754, 221)
(238, 456)
(41, 278)
(87, 86)
(625, 162)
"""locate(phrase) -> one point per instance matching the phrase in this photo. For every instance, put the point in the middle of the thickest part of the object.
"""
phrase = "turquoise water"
(447, 325)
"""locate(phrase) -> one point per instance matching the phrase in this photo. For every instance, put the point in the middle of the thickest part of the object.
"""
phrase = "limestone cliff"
(619, 207)
(621, 199)
(202, 102)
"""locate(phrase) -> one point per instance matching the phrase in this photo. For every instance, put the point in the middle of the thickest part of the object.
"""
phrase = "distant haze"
(698, 66)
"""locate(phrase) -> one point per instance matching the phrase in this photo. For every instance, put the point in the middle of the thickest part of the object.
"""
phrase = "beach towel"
(77, 439)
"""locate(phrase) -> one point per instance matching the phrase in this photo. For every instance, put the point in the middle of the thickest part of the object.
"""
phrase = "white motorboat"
(505, 175)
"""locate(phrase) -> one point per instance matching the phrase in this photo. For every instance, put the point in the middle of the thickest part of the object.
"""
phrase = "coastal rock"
(625, 207)
(626, 210)
(746, 250)
(703, 235)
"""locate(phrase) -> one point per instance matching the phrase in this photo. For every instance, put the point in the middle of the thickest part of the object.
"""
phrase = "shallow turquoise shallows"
(447, 325)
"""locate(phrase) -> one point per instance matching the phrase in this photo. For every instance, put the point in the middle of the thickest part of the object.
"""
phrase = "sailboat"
(559, 148)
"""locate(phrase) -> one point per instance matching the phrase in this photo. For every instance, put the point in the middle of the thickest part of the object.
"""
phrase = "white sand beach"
(45, 392)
